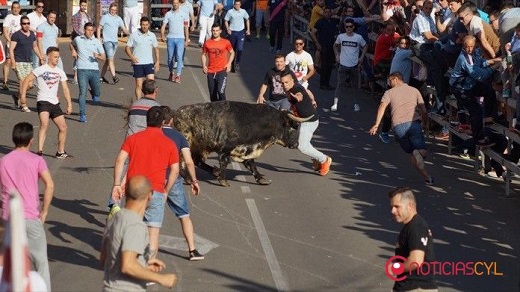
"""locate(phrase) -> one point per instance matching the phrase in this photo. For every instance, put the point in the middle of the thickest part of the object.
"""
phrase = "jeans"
(410, 136)
(304, 141)
(237, 42)
(175, 47)
(154, 214)
(217, 85)
(87, 77)
(282, 104)
(37, 243)
(345, 72)
(177, 199)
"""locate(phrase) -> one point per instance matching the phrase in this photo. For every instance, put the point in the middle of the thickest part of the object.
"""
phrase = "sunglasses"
(39, 6)
(26, 23)
(298, 44)
(349, 26)
(462, 17)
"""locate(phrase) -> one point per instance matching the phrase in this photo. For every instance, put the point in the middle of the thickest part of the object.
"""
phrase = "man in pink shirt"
(19, 171)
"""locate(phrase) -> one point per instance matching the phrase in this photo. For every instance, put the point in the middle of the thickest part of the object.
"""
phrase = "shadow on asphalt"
(242, 284)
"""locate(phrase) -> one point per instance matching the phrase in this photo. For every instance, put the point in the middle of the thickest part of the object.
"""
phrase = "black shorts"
(141, 71)
(54, 110)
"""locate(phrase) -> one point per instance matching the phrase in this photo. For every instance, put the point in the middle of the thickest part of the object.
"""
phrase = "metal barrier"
(300, 27)
(7, 8)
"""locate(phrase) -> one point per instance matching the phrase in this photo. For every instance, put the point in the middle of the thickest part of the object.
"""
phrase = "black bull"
(234, 130)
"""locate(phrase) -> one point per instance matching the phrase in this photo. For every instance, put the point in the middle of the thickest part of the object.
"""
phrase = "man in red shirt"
(216, 63)
(150, 153)
(384, 51)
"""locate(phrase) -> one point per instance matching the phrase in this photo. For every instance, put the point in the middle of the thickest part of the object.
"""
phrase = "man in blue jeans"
(87, 50)
(234, 21)
(177, 39)
(407, 108)
(176, 196)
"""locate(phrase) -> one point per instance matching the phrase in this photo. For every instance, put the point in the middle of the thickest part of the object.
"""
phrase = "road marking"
(245, 190)
(204, 245)
(274, 266)
(197, 81)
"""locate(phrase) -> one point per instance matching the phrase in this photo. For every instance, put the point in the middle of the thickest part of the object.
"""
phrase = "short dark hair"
(24, 17)
(52, 12)
(149, 86)
(154, 117)
(22, 134)
(279, 55)
(144, 19)
(405, 192)
(15, 3)
(168, 113)
(298, 38)
(87, 25)
(82, 1)
(215, 25)
(52, 49)
(285, 73)
(404, 37)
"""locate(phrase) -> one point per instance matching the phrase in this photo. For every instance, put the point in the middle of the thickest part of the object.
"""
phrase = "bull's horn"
(298, 119)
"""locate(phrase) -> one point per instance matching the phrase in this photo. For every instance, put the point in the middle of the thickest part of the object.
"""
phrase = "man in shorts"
(141, 47)
(150, 153)
(48, 77)
(110, 23)
(11, 25)
(177, 197)
(404, 100)
(21, 48)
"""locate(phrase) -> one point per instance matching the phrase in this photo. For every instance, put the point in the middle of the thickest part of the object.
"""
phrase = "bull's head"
(290, 135)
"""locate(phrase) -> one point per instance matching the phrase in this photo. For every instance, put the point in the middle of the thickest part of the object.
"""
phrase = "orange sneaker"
(325, 166)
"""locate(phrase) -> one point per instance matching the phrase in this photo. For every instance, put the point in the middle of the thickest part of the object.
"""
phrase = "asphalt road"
(301, 233)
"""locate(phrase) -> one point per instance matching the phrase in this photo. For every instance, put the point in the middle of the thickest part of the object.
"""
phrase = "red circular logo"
(396, 267)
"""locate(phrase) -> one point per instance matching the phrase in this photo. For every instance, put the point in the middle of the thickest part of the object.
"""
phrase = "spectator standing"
(303, 108)
(110, 24)
(10, 25)
(177, 39)
(177, 197)
(124, 249)
(217, 55)
(300, 62)
(137, 149)
(508, 19)
(48, 77)
(261, 13)
(207, 11)
(20, 170)
(272, 82)
(487, 39)
(317, 13)
(277, 11)
(131, 14)
(23, 44)
(87, 49)
(234, 22)
(78, 24)
(407, 109)
(47, 35)
(384, 51)
(142, 47)
(347, 48)
(323, 34)
(444, 19)
(414, 243)
(36, 18)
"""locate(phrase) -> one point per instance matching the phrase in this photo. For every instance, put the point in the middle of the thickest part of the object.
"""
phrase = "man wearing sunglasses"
(300, 62)
(36, 18)
(347, 49)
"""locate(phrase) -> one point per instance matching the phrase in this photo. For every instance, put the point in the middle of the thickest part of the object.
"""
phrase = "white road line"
(274, 266)
(203, 91)
(245, 190)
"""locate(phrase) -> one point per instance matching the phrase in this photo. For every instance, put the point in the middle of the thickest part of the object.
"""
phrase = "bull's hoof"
(263, 181)
(223, 183)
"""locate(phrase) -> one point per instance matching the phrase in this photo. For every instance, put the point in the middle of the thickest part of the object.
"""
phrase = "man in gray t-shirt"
(125, 245)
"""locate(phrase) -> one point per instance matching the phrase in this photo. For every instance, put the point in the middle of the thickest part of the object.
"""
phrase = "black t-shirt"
(415, 235)
(326, 34)
(273, 81)
(24, 46)
(303, 108)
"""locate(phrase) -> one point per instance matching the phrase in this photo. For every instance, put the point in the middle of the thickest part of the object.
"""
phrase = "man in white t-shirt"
(36, 17)
(475, 27)
(11, 25)
(48, 77)
(347, 48)
(300, 62)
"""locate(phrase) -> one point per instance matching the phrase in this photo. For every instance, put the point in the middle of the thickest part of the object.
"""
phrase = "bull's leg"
(223, 159)
(251, 165)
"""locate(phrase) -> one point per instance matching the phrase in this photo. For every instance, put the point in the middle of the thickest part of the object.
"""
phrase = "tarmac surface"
(301, 233)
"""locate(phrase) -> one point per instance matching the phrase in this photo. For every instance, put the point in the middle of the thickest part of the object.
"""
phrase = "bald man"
(124, 249)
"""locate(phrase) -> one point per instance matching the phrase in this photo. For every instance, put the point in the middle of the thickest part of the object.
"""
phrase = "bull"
(234, 130)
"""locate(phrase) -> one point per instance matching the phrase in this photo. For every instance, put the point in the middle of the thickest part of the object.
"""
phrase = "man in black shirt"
(276, 96)
(415, 244)
(303, 107)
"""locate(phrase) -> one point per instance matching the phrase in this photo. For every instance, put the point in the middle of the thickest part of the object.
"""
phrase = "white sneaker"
(356, 107)
(334, 107)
